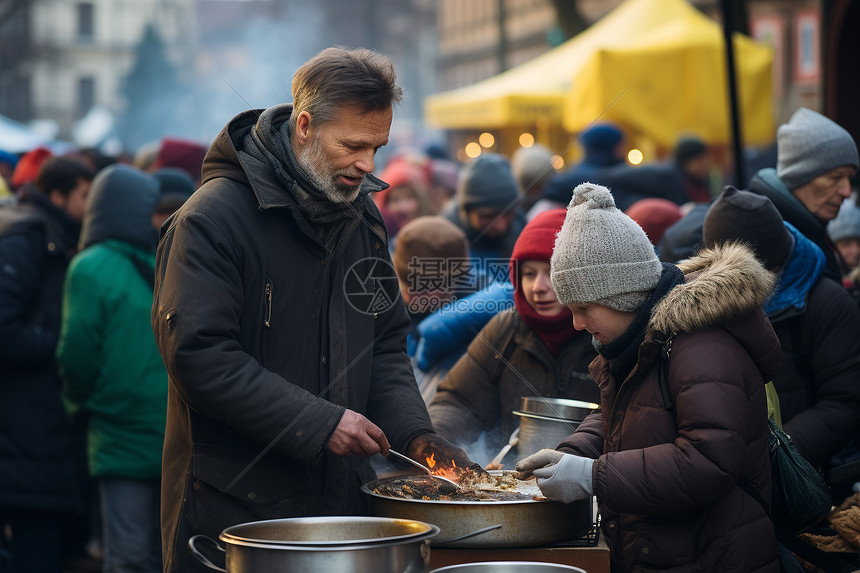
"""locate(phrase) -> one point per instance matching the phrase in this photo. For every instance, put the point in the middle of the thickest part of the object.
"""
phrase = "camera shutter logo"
(371, 286)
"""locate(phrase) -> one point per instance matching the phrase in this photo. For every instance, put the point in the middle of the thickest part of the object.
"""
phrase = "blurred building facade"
(60, 58)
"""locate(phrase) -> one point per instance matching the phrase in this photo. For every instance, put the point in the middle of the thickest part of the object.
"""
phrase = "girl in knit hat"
(684, 354)
(531, 350)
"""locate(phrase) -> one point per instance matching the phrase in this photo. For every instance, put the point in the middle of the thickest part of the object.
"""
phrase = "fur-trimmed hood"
(724, 283)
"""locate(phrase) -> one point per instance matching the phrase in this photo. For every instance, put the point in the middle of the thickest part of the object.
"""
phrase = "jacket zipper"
(268, 321)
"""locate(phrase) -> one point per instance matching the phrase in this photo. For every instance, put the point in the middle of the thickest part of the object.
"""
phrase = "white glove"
(543, 458)
(561, 477)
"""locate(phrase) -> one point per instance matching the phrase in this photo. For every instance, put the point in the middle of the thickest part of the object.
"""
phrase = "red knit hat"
(536, 240)
(183, 154)
(654, 215)
(399, 172)
(27, 170)
(535, 243)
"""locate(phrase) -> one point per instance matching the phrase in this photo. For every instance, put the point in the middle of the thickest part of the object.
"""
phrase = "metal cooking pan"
(523, 523)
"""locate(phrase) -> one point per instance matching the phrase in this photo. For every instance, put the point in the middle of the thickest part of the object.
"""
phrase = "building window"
(86, 94)
(85, 21)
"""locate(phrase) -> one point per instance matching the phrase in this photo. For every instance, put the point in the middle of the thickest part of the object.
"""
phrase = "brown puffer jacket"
(506, 361)
(668, 491)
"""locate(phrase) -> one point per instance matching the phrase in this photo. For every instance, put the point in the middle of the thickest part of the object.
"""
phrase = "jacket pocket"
(271, 479)
(266, 322)
(667, 542)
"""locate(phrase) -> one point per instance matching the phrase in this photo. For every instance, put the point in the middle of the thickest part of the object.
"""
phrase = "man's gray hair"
(338, 76)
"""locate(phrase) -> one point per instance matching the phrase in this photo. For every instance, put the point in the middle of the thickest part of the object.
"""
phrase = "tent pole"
(737, 146)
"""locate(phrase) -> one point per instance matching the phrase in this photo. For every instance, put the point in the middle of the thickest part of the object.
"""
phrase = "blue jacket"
(445, 335)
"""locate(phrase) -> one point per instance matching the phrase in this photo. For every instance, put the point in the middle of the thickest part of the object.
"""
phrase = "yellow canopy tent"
(553, 87)
(532, 92)
(672, 79)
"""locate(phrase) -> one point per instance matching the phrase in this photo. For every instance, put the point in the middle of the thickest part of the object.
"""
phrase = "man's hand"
(425, 445)
(357, 435)
(562, 477)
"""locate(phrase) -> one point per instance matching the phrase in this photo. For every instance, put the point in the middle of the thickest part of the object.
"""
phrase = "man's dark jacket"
(37, 442)
(266, 342)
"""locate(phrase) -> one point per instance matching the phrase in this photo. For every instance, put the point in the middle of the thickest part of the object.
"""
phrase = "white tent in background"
(16, 137)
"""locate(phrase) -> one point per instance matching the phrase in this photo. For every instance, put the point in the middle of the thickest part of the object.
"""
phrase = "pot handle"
(202, 558)
(434, 543)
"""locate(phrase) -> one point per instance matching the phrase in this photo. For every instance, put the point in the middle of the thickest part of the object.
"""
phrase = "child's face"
(537, 288)
(849, 248)
(605, 324)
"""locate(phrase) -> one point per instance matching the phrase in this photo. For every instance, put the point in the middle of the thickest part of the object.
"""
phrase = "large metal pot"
(519, 523)
(546, 422)
(342, 544)
(509, 567)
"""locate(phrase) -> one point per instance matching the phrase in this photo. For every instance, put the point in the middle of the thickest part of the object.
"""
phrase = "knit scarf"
(623, 352)
(554, 331)
(269, 142)
(804, 267)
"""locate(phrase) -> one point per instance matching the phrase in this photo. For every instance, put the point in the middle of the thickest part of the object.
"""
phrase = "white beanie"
(601, 255)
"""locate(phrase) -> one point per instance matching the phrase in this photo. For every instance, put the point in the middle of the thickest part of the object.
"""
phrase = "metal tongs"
(446, 485)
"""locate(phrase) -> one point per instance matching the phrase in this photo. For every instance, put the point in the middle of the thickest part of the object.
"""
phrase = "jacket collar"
(225, 159)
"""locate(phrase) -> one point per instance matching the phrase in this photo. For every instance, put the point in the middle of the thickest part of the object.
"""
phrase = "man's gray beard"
(312, 160)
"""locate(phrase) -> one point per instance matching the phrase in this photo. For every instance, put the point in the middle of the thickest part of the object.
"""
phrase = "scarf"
(554, 331)
(804, 267)
(269, 142)
(623, 352)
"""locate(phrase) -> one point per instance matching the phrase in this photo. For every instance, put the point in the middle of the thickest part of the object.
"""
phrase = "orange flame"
(431, 462)
(449, 472)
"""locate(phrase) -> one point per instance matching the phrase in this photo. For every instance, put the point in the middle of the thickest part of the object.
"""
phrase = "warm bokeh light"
(461, 155)
(634, 157)
(527, 140)
(557, 162)
(486, 139)
(472, 150)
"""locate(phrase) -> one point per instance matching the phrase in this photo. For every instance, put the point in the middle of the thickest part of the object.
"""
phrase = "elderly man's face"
(339, 153)
(824, 195)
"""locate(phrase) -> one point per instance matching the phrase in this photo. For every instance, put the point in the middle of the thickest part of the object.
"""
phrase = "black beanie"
(689, 147)
(744, 216)
(487, 181)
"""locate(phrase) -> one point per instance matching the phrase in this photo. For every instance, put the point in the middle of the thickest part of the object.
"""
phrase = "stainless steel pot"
(546, 422)
(509, 567)
(520, 523)
(343, 544)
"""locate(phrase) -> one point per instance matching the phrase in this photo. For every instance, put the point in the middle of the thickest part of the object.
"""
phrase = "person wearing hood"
(176, 187)
(487, 209)
(405, 199)
(530, 350)
(683, 357)
(39, 480)
(816, 159)
(278, 317)
(815, 319)
(113, 376)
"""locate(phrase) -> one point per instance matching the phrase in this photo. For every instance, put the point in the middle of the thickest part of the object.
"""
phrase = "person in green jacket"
(112, 372)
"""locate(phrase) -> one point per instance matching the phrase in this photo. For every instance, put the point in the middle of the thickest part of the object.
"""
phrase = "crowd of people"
(200, 335)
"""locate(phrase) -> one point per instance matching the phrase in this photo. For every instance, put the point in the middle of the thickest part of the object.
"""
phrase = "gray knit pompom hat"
(601, 255)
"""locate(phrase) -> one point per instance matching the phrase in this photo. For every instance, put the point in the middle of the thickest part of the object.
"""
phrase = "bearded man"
(276, 311)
